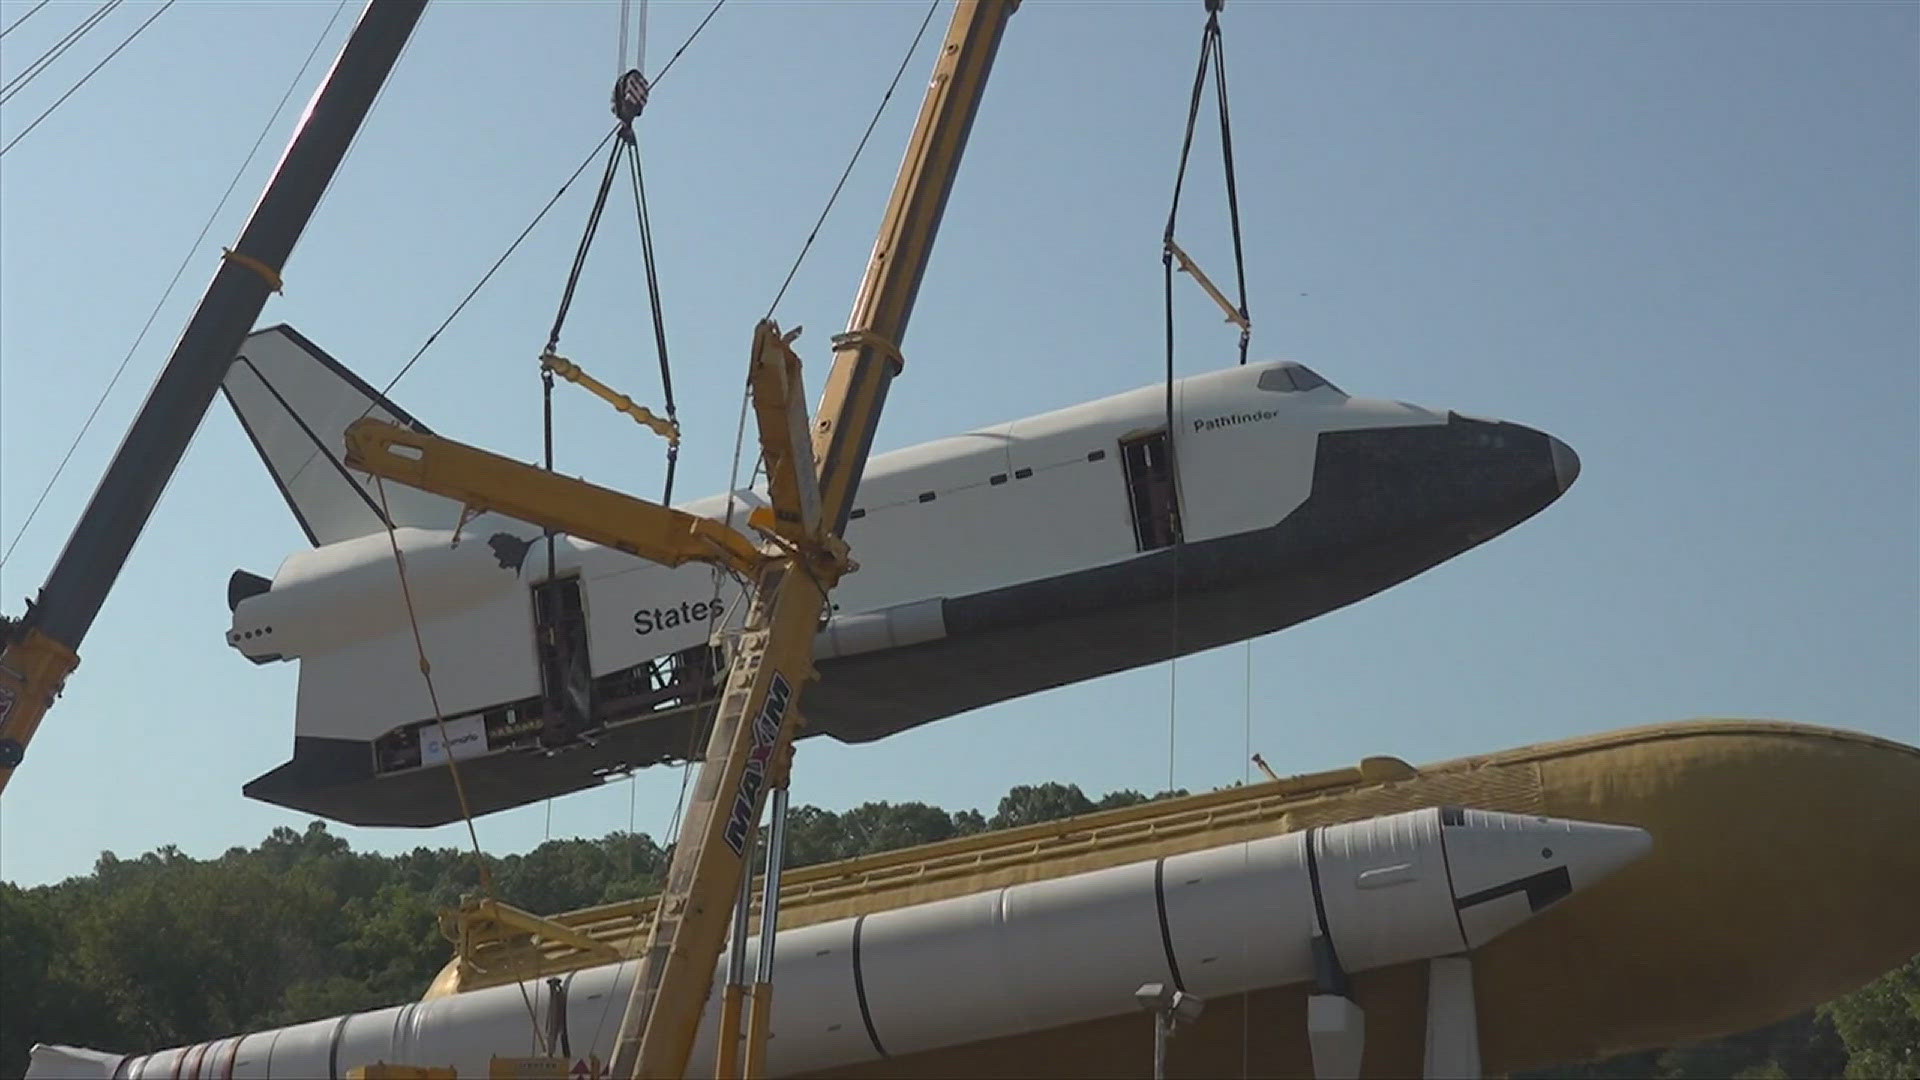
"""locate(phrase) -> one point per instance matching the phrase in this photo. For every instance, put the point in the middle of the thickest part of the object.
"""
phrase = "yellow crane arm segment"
(33, 669)
(780, 409)
(813, 473)
(486, 481)
(758, 714)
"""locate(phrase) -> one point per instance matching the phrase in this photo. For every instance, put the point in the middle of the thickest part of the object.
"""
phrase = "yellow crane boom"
(758, 717)
(814, 471)
(485, 481)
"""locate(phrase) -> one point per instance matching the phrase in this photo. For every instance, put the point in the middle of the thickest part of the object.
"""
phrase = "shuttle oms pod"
(1289, 499)
(1293, 908)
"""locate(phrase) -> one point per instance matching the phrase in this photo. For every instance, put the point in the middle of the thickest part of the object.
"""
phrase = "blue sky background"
(1684, 238)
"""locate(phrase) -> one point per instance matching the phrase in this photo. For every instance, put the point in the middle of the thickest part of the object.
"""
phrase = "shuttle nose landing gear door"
(566, 676)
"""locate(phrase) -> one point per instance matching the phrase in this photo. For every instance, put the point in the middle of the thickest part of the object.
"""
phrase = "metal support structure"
(1453, 1023)
(758, 718)
(760, 1016)
(1162, 1030)
(1336, 1036)
(1336, 1025)
(812, 481)
(484, 481)
(43, 648)
(727, 1050)
(1169, 1006)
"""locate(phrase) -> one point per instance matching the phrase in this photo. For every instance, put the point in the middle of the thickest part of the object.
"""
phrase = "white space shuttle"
(998, 563)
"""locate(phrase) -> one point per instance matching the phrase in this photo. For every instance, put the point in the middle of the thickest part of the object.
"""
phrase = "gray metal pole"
(770, 897)
(737, 955)
(1162, 1020)
(125, 499)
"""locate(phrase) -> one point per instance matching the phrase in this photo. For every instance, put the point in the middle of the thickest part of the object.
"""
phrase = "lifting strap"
(1213, 60)
(630, 93)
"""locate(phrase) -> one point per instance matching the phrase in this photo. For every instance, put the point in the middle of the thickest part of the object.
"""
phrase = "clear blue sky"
(1684, 238)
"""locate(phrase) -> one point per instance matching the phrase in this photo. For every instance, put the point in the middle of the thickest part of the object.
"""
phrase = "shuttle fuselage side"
(1029, 554)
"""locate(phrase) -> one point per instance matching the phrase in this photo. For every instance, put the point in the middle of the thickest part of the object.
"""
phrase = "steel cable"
(178, 272)
(15, 24)
(855, 159)
(91, 72)
(54, 51)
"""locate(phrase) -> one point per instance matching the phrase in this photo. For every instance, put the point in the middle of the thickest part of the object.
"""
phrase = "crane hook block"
(630, 96)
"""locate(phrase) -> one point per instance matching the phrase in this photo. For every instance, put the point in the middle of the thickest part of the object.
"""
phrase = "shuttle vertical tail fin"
(295, 403)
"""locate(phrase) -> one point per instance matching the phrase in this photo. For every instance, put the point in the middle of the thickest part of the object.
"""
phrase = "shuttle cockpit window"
(1293, 378)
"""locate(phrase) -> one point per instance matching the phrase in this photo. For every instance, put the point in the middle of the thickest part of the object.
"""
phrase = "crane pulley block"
(630, 94)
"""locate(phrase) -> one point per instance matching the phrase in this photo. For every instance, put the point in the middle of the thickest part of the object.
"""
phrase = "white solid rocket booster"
(1418, 885)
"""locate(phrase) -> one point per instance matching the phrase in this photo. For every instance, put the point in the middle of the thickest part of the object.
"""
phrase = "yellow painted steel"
(1782, 875)
(33, 668)
(727, 1058)
(770, 664)
(485, 481)
(481, 921)
(786, 446)
(1187, 264)
(813, 480)
(759, 1025)
(758, 714)
(267, 273)
(645, 417)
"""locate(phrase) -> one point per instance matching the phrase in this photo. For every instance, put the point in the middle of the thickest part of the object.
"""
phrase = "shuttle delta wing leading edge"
(994, 564)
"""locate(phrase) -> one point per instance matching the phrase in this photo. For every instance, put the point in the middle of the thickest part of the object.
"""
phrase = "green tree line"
(164, 949)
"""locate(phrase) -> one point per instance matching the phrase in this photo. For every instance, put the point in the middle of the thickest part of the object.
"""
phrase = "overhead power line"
(15, 24)
(95, 70)
(54, 51)
(179, 271)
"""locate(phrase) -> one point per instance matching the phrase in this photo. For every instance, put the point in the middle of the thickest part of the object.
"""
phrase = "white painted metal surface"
(1023, 958)
(933, 523)
(1453, 1024)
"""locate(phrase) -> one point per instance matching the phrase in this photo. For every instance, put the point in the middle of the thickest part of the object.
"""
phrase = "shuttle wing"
(295, 403)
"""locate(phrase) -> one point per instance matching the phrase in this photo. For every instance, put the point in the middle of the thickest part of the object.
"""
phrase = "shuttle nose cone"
(1507, 867)
(1566, 463)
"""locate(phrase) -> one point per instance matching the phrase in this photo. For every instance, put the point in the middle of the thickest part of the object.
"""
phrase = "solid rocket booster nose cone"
(1508, 867)
(1596, 851)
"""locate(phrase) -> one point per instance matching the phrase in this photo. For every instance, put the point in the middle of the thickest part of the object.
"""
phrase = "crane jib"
(753, 779)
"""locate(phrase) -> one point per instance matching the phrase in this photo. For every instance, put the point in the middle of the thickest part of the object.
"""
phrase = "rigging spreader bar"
(572, 372)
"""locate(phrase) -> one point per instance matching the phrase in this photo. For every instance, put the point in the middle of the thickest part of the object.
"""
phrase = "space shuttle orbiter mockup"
(998, 563)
